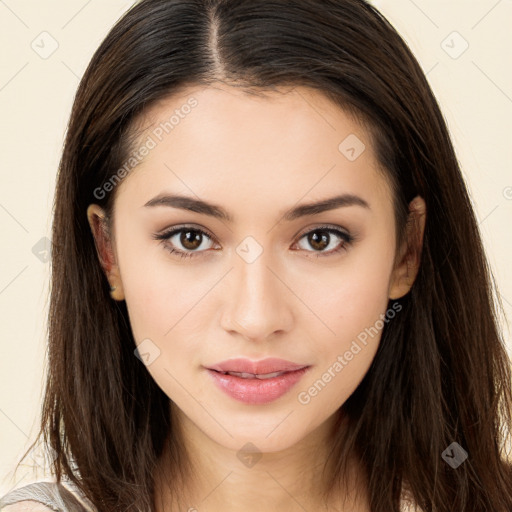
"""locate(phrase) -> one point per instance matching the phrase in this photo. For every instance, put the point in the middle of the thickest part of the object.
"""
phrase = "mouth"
(256, 388)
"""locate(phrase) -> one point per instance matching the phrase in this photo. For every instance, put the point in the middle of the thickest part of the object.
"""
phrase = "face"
(256, 275)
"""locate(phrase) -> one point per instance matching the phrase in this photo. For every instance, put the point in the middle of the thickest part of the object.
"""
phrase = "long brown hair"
(441, 374)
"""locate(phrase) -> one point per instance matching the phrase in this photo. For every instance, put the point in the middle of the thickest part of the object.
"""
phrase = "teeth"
(254, 376)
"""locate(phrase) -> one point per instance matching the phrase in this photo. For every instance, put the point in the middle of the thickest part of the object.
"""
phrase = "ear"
(105, 249)
(408, 261)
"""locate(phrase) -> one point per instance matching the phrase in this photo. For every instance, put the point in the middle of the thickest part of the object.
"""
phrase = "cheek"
(163, 300)
(164, 306)
(352, 296)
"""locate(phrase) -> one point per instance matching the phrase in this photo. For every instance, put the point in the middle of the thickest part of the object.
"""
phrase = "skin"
(256, 157)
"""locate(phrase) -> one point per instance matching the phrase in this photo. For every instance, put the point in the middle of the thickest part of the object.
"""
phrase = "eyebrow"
(199, 206)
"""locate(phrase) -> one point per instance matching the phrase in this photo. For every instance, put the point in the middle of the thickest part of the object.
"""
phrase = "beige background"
(473, 86)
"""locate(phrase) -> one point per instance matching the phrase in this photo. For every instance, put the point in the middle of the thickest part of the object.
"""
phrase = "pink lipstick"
(256, 382)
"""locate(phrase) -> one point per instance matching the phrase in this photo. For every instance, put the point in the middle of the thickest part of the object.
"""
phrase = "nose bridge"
(257, 303)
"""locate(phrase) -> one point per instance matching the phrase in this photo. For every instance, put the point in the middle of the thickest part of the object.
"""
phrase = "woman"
(201, 355)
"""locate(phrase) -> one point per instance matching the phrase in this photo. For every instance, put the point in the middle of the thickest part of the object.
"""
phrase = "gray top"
(54, 496)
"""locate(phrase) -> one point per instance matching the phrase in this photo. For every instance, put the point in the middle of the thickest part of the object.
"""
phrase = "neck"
(227, 480)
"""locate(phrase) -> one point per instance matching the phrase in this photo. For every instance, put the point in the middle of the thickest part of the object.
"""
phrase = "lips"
(256, 382)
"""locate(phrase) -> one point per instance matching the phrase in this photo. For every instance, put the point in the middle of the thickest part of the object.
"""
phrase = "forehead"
(274, 146)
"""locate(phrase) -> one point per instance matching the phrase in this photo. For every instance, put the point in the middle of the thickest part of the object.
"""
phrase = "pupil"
(313, 238)
(190, 242)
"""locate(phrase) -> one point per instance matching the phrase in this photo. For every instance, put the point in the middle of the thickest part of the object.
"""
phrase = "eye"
(322, 237)
(190, 239)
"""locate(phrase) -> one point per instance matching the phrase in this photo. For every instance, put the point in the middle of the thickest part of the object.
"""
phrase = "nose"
(258, 303)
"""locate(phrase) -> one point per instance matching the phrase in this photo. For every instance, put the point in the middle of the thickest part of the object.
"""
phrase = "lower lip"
(257, 391)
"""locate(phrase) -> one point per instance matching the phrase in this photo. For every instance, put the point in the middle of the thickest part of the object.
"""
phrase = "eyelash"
(347, 238)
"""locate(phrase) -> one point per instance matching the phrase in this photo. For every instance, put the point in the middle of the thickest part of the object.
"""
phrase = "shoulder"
(45, 497)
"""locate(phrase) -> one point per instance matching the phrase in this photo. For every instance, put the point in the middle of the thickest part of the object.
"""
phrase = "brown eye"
(324, 237)
(185, 241)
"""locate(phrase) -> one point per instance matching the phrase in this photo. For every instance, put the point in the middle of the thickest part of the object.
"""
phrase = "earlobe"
(407, 268)
(104, 249)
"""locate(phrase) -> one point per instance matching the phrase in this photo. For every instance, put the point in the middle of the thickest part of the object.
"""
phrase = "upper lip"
(270, 365)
